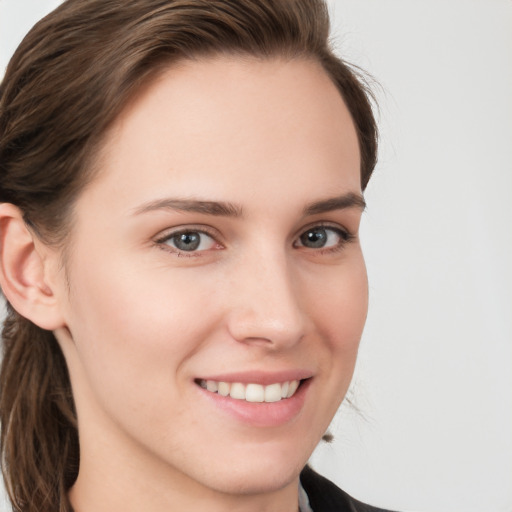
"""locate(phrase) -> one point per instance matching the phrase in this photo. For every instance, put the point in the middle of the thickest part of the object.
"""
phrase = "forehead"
(232, 125)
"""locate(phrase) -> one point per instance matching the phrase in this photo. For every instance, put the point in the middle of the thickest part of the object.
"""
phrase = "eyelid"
(346, 236)
(327, 225)
(167, 234)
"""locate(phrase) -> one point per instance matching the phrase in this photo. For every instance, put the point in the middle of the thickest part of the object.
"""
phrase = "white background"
(434, 377)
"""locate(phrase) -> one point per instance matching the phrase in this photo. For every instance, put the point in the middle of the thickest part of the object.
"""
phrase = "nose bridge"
(266, 306)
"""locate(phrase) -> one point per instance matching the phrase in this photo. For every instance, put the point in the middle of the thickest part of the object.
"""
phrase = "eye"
(189, 241)
(323, 237)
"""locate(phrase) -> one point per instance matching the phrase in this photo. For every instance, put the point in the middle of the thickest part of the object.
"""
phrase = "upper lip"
(261, 377)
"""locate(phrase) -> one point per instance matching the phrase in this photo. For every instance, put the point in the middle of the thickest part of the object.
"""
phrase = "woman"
(181, 185)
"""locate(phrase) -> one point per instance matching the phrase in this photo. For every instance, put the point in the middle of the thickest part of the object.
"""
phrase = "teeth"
(212, 386)
(273, 393)
(252, 392)
(284, 389)
(294, 384)
(237, 391)
(223, 388)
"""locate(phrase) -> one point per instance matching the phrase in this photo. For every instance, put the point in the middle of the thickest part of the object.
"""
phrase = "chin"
(264, 479)
(257, 474)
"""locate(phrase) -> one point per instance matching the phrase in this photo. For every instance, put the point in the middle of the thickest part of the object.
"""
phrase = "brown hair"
(67, 82)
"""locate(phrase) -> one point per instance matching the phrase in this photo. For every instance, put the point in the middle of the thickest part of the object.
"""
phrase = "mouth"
(258, 399)
(252, 392)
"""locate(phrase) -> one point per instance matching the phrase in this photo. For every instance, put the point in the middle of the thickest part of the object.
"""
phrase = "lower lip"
(261, 414)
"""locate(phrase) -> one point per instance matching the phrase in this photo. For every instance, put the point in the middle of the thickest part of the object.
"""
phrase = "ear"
(27, 271)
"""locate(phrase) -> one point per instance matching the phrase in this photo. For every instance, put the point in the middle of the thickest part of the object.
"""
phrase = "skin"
(140, 321)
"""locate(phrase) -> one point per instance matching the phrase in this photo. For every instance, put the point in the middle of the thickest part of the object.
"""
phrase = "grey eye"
(314, 238)
(321, 237)
(189, 241)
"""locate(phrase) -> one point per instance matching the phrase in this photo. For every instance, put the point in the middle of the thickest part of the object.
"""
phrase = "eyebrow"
(348, 200)
(225, 209)
(217, 208)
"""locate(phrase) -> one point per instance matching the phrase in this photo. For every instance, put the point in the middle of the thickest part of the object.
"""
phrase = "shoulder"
(324, 496)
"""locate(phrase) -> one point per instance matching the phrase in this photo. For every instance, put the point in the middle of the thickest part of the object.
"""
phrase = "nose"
(265, 303)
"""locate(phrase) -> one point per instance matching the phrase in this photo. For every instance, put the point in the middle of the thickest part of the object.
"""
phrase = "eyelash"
(162, 241)
(344, 235)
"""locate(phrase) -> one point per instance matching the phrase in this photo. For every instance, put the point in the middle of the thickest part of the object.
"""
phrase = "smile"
(252, 392)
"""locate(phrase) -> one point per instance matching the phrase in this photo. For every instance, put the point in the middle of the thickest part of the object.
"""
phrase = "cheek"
(134, 336)
(344, 324)
(131, 327)
(340, 309)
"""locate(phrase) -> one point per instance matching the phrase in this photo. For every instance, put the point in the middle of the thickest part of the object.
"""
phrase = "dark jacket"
(324, 496)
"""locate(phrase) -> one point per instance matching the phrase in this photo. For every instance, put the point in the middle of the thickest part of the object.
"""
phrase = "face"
(214, 265)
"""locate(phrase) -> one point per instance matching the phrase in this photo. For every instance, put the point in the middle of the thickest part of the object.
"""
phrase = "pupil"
(314, 238)
(187, 241)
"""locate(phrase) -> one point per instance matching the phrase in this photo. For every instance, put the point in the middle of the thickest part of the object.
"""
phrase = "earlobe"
(24, 271)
